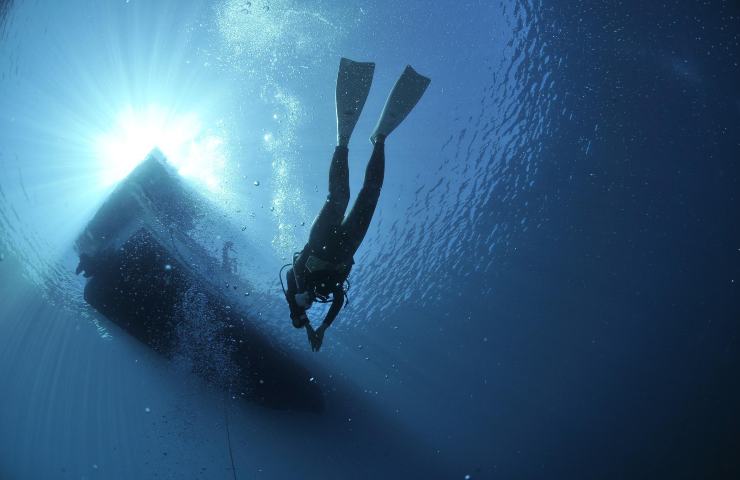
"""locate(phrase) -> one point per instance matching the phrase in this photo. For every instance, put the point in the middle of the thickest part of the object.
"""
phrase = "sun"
(189, 147)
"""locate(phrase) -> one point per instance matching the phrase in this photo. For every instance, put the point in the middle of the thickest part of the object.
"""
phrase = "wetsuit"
(324, 264)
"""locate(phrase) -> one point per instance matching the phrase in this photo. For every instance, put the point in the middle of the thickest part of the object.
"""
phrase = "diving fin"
(353, 85)
(406, 93)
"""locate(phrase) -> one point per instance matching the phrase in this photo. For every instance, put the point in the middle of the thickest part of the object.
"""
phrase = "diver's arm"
(318, 335)
(299, 270)
(336, 306)
(297, 314)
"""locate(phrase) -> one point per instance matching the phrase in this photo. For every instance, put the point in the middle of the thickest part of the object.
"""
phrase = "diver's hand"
(318, 338)
(311, 334)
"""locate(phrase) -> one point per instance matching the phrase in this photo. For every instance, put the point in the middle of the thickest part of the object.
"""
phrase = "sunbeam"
(190, 148)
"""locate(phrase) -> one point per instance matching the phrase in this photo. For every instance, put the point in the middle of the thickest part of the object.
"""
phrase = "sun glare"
(192, 150)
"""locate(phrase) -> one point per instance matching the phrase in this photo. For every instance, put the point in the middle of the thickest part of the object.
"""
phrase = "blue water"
(549, 288)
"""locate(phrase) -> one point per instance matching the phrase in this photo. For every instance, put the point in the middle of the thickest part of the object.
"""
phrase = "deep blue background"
(549, 289)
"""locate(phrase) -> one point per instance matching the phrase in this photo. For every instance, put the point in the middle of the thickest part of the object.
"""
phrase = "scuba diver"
(319, 272)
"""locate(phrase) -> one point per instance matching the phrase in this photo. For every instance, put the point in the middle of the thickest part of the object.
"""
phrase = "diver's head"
(304, 300)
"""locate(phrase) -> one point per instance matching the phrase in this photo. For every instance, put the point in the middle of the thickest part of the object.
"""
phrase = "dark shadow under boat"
(148, 274)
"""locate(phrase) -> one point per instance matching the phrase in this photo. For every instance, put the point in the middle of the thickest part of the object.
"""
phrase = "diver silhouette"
(319, 272)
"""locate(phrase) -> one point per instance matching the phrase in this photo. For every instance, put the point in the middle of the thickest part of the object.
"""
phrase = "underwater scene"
(323, 239)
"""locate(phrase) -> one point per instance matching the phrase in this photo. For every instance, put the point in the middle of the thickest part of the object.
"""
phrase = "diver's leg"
(358, 220)
(332, 212)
